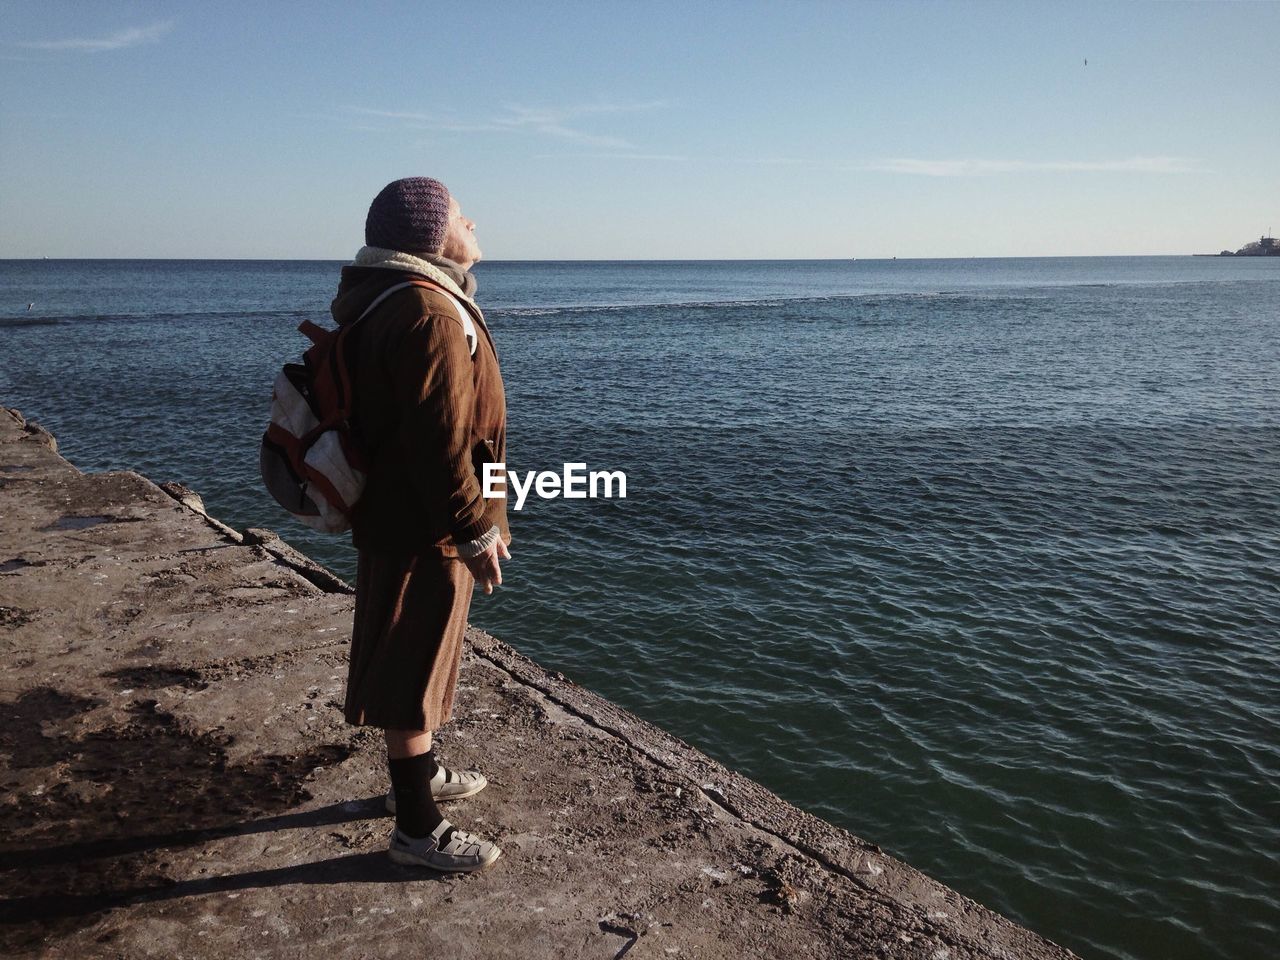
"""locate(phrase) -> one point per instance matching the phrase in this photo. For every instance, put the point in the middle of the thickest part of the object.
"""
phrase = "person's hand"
(485, 566)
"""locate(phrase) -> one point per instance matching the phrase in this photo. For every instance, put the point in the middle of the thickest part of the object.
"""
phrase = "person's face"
(460, 243)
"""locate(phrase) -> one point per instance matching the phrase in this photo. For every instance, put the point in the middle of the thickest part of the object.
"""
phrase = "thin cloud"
(615, 155)
(556, 122)
(982, 168)
(120, 40)
(775, 161)
(425, 121)
(633, 154)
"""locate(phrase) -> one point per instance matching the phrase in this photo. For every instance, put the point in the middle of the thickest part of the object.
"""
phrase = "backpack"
(311, 462)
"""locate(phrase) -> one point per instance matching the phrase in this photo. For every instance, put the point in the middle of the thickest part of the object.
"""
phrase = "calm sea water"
(978, 559)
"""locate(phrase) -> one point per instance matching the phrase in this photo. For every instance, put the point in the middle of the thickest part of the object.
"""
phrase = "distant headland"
(1262, 247)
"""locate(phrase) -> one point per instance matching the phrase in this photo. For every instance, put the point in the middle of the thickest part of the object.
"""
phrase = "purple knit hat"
(411, 215)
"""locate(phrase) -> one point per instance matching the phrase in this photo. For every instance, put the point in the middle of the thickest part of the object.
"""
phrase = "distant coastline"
(1262, 247)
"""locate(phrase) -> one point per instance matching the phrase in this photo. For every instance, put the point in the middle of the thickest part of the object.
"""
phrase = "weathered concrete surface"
(178, 781)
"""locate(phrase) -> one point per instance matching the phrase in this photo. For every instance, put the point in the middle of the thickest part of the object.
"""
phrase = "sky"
(654, 130)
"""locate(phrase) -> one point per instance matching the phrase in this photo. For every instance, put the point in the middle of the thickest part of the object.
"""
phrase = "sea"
(978, 559)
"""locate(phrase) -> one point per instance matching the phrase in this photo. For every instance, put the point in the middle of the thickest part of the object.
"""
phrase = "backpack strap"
(464, 315)
(340, 377)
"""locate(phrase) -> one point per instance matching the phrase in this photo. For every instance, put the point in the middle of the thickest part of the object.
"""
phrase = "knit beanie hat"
(410, 215)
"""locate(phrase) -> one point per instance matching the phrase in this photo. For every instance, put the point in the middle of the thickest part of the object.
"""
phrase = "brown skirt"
(406, 642)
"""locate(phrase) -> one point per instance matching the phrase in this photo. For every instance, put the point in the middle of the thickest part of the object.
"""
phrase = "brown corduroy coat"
(429, 414)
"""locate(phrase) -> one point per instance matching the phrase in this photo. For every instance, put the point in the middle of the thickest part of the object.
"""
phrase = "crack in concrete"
(265, 540)
(619, 930)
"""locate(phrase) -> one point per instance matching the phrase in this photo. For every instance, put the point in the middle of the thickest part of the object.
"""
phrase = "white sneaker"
(463, 853)
(448, 785)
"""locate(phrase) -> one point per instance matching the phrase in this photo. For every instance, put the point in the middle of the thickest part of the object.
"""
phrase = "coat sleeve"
(434, 383)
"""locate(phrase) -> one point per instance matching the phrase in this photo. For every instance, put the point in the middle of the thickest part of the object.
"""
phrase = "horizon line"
(889, 259)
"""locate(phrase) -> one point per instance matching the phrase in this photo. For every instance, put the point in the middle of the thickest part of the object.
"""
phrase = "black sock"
(416, 813)
(429, 758)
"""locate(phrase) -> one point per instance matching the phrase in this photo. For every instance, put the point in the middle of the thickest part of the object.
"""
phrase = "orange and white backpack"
(311, 462)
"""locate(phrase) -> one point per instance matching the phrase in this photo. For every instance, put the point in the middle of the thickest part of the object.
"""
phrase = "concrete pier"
(178, 780)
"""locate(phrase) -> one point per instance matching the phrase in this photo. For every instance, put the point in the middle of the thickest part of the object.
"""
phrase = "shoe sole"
(409, 860)
(391, 804)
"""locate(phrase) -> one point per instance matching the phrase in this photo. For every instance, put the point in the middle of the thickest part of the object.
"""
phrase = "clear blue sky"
(641, 130)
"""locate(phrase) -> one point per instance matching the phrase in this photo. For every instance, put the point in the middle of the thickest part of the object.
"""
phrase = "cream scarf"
(399, 260)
